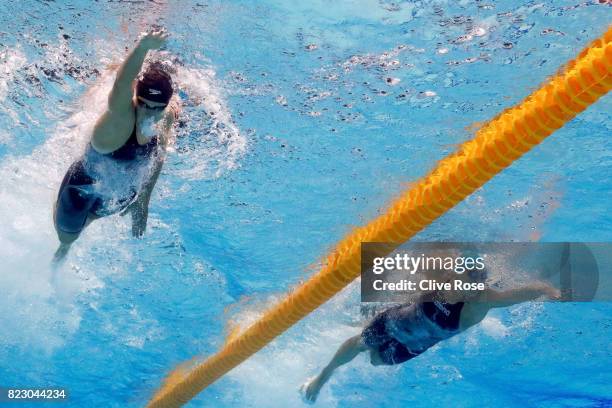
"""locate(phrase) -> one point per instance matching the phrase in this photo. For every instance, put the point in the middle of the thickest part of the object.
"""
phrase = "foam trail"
(11, 61)
(283, 366)
(35, 300)
(213, 143)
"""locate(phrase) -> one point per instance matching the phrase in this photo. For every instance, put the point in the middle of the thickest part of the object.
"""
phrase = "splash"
(11, 60)
(39, 306)
(39, 299)
(283, 366)
(208, 141)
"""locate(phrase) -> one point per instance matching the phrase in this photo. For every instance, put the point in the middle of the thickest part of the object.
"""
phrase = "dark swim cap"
(478, 275)
(475, 274)
(155, 85)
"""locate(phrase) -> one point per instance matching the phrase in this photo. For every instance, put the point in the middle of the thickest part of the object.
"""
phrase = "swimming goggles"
(142, 102)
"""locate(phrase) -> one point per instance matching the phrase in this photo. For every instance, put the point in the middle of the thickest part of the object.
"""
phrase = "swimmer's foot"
(60, 255)
(310, 390)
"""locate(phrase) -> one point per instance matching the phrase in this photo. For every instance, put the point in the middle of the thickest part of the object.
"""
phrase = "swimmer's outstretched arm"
(346, 353)
(140, 208)
(525, 293)
(115, 125)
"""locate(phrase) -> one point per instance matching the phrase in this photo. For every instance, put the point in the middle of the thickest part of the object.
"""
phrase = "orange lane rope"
(495, 146)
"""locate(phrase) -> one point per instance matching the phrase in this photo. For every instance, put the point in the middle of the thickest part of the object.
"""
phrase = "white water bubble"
(218, 144)
(392, 81)
(478, 31)
(37, 297)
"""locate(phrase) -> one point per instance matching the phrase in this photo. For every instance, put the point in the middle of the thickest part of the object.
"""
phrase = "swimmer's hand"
(309, 391)
(153, 40)
(139, 210)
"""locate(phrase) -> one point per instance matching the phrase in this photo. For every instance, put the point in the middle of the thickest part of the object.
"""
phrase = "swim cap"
(478, 275)
(155, 85)
(475, 274)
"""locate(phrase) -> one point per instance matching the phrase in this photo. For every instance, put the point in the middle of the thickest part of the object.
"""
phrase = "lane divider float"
(495, 146)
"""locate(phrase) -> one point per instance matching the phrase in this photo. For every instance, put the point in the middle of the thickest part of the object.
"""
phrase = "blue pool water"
(300, 121)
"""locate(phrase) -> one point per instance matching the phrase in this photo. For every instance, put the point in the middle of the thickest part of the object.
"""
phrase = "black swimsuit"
(77, 198)
(403, 332)
(445, 315)
(132, 150)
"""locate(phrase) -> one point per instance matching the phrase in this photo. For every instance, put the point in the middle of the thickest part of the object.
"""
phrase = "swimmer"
(403, 332)
(126, 152)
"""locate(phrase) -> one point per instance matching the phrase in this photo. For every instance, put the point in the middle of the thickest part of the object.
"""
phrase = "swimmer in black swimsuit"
(406, 331)
(122, 162)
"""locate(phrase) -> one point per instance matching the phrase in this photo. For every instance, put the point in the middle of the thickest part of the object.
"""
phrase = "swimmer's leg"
(72, 211)
(60, 254)
(67, 238)
(346, 353)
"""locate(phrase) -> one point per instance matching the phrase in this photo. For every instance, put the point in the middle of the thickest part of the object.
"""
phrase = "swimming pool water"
(300, 121)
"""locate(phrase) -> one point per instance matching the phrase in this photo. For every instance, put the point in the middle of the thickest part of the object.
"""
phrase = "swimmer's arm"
(150, 183)
(172, 114)
(167, 121)
(115, 125)
(525, 293)
(140, 208)
(120, 97)
(121, 94)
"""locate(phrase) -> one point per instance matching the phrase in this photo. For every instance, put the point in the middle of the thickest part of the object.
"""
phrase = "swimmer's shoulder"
(112, 131)
(473, 313)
